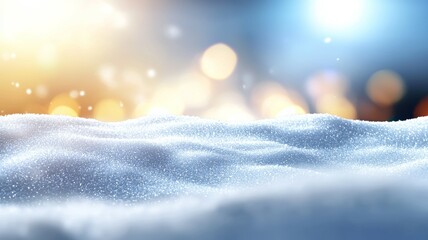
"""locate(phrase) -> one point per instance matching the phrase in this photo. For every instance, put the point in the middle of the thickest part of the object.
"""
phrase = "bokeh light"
(229, 106)
(167, 100)
(336, 105)
(195, 89)
(115, 60)
(326, 83)
(109, 110)
(385, 88)
(273, 100)
(219, 61)
(63, 104)
(64, 110)
(328, 90)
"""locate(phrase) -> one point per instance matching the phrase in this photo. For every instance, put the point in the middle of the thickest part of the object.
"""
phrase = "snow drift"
(310, 176)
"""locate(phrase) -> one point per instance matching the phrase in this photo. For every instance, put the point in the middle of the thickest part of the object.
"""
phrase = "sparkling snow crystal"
(309, 176)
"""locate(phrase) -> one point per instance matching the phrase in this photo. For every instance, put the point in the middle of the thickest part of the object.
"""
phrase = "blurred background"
(232, 60)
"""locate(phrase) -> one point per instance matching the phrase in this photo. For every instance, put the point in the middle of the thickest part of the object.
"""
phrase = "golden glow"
(336, 105)
(65, 111)
(273, 100)
(142, 109)
(47, 57)
(41, 91)
(167, 100)
(44, 19)
(195, 89)
(219, 61)
(385, 88)
(53, 46)
(291, 110)
(77, 58)
(35, 108)
(107, 75)
(109, 110)
(274, 104)
(328, 92)
(63, 104)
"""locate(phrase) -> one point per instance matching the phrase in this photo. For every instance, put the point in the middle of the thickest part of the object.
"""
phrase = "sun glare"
(337, 15)
(39, 18)
(53, 19)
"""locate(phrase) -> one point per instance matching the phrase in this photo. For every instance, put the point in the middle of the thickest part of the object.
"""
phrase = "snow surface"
(302, 177)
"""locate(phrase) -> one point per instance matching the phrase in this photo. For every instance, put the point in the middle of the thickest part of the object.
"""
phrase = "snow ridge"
(309, 176)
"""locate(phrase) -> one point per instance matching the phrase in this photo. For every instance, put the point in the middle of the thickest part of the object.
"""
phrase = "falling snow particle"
(328, 40)
(151, 73)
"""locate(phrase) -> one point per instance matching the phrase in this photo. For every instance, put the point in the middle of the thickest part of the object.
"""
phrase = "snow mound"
(309, 176)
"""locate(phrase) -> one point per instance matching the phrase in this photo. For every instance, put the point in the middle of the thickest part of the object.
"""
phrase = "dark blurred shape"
(372, 112)
(422, 108)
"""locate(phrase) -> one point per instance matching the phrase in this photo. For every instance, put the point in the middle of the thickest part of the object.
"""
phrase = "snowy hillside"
(302, 177)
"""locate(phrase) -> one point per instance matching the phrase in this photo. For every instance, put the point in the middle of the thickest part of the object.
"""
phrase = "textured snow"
(302, 177)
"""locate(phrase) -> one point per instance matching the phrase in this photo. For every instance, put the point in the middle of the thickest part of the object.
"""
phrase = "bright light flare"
(335, 15)
(38, 17)
(166, 100)
(336, 105)
(63, 104)
(64, 111)
(109, 110)
(385, 88)
(219, 61)
(56, 19)
(273, 100)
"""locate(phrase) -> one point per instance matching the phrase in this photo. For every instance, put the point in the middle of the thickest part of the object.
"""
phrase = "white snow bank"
(311, 176)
